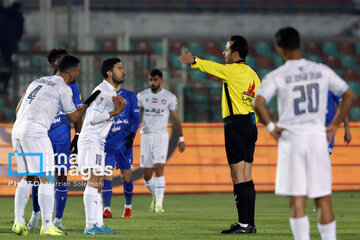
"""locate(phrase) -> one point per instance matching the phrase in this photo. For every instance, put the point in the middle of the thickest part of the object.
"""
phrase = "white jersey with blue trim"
(97, 121)
(156, 110)
(301, 88)
(43, 100)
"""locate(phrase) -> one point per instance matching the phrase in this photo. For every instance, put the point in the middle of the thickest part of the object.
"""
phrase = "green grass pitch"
(194, 217)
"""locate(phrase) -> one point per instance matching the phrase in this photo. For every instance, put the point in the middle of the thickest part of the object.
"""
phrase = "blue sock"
(128, 192)
(61, 196)
(35, 188)
(107, 193)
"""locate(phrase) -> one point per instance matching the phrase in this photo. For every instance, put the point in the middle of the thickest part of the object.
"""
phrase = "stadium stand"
(340, 56)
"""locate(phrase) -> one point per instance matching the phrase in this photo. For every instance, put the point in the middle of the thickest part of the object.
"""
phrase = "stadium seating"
(313, 48)
(264, 48)
(330, 48)
(348, 62)
(347, 48)
(355, 87)
(342, 57)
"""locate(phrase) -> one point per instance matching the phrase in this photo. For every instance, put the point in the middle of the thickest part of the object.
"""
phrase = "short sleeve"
(336, 85)
(139, 100)
(268, 88)
(134, 103)
(173, 103)
(76, 95)
(66, 100)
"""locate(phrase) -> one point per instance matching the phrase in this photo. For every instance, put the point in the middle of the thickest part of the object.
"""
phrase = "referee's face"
(227, 52)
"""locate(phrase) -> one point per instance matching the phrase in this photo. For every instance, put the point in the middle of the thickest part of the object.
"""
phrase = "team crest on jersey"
(154, 100)
(248, 96)
(100, 101)
(163, 101)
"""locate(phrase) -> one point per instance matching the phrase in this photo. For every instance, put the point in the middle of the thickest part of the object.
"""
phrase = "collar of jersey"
(295, 62)
(156, 93)
(109, 85)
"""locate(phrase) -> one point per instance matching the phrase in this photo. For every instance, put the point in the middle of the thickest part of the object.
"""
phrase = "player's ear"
(109, 73)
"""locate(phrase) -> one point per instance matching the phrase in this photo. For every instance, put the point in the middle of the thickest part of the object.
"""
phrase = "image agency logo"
(57, 163)
(41, 172)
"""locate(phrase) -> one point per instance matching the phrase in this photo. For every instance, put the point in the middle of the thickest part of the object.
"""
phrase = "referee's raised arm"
(240, 84)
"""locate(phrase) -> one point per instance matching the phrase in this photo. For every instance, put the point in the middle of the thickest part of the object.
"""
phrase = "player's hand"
(187, 57)
(92, 97)
(276, 133)
(119, 104)
(347, 137)
(129, 140)
(73, 146)
(181, 146)
(330, 132)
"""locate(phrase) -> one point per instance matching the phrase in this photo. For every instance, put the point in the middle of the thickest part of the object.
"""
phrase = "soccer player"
(118, 148)
(60, 137)
(156, 104)
(303, 167)
(240, 84)
(37, 109)
(97, 123)
(330, 114)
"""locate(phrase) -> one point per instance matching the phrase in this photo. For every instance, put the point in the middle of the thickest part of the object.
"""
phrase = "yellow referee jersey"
(240, 84)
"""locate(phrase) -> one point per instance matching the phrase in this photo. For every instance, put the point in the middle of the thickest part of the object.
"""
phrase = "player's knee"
(125, 178)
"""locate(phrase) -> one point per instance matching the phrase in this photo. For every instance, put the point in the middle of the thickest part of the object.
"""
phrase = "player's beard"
(118, 80)
(154, 88)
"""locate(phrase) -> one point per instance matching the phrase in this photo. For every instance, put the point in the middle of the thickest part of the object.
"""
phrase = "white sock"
(21, 198)
(151, 186)
(327, 231)
(99, 214)
(46, 202)
(159, 190)
(300, 228)
(127, 206)
(243, 225)
(90, 202)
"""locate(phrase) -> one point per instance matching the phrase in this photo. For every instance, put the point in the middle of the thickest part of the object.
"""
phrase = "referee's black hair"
(288, 38)
(68, 62)
(239, 45)
(54, 53)
(156, 72)
(108, 65)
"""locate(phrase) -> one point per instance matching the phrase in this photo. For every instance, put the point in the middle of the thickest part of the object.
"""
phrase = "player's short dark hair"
(239, 45)
(156, 72)
(288, 38)
(54, 53)
(68, 62)
(108, 65)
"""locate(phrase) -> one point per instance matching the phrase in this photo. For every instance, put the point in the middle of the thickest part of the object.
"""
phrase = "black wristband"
(92, 97)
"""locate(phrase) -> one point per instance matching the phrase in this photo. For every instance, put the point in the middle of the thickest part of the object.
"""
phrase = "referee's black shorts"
(240, 137)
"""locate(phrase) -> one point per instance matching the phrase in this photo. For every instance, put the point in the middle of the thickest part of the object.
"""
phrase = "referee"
(240, 83)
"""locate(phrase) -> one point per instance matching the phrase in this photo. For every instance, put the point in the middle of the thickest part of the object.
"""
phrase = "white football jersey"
(43, 100)
(97, 121)
(301, 88)
(156, 110)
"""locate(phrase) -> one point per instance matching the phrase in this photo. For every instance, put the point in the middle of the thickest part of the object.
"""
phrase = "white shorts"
(35, 146)
(154, 149)
(304, 167)
(93, 158)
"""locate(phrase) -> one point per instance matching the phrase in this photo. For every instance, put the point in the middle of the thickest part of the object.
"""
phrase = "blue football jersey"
(60, 129)
(123, 124)
(331, 110)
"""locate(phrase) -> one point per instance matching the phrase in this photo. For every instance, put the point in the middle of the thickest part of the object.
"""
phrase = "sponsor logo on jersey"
(163, 101)
(248, 96)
